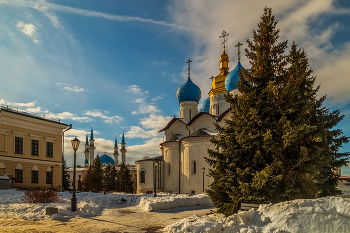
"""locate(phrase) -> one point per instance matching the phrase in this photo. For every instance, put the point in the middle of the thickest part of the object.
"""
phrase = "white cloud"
(139, 100)
(107, 119)
(14, 104)
(159, 63)
(68, 115)
(136, 90)
(157, 98)
(28, 29)
(149, 148)
(43, 7)
(70, 87)
(145, 109)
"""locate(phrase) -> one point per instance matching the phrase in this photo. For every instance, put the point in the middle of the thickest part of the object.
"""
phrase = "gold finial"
(223, 36)
(238, 45)
(189, 66)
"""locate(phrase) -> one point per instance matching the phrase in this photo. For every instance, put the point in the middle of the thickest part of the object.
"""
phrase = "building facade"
(31, 149)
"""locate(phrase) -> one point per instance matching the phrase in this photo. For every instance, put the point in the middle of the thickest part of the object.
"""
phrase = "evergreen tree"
(110, 178)
(97, 175)
(87, 180)
(279, 144)
(65, 180)
(124, 182)
(80, 186)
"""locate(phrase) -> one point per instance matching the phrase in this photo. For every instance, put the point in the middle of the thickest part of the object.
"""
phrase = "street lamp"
(51, 169)
(155, 177)
(75, 144)
(203, 170)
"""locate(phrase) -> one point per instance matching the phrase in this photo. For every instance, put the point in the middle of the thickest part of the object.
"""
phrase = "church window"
(194, 167)
(142, 177)
(169, 168)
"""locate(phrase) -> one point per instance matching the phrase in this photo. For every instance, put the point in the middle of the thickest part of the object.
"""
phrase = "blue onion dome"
(106, 159)
(206, 105)
(232, 78)
(188, 92)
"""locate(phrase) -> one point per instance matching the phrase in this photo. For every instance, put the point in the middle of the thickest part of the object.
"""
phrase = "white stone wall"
(188, 109)
(218, 104)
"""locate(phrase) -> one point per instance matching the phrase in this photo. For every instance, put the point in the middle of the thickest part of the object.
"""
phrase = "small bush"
(41, 196)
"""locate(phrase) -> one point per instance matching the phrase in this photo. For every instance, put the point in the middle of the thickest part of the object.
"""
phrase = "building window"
(68, 177)
(35, 147)
(49, 149)
(79, 177)
(18, 145)
(194, 167)
(169, 168)
(35, 176)
(19, 175)
(48, 177)
(142, 177)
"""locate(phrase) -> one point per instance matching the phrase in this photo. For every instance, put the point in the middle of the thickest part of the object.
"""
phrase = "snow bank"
(326, 215)
(163, 202)
(89, 204)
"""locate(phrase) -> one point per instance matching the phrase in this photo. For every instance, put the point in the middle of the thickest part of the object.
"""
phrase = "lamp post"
(155, 177)
(51, 169)
(203, 170)
(75, 144)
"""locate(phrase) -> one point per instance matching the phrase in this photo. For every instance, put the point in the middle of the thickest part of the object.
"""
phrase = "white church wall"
(171, 158)
(188, 109)
(176, 128)
(203, 122)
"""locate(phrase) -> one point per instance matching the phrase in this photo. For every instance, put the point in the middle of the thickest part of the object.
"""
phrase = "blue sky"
(116, 65)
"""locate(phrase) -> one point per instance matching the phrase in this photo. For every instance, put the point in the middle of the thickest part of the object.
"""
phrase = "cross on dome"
(223, 36)
(238, 45)
(189, 66)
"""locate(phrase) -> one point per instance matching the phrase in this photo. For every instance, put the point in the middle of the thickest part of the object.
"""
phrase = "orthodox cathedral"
(182, 168)
(105, 159)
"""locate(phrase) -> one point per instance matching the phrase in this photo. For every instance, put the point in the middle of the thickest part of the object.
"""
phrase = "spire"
(92, 134)
(115, 142)
(123, 140)
(224, 57)
(87, 139)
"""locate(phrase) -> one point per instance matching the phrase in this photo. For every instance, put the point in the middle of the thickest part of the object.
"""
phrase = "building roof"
(32, 115)
(106, 159)
(158, 158)
(233, 77)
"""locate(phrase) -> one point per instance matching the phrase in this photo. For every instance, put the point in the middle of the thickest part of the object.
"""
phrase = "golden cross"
(238, 45)
(212, 77)
(223, 36)
(189, 66)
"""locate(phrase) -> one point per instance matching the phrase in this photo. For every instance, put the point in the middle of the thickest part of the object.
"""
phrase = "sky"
(116, 65)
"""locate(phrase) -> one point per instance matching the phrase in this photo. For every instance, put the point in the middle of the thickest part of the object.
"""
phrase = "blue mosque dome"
(188, 92)
(232, 78)
(106, 159)
(206, 105)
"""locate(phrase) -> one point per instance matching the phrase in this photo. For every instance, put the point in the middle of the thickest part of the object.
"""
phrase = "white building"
(182, 167)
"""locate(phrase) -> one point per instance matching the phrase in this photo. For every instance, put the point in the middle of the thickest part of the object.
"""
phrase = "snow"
(5, 177)
(91, 204)
(168, 201)
(326, 215)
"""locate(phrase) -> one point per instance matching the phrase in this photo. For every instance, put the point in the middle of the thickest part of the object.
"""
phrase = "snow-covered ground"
(326, 215)
(92, 204)
(323, 215)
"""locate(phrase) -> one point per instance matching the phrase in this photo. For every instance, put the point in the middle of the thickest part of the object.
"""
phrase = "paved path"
(126, 219)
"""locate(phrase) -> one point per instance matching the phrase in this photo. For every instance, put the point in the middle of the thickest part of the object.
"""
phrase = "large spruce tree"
(97, 175)
(279, 143)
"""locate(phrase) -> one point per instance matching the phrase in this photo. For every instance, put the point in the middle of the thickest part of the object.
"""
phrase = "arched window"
(142, 176)
(194, 167)
(169, 168)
